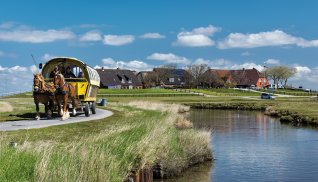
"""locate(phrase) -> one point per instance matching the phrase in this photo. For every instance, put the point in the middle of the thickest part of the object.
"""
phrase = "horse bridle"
(39, 84)
(58, 86)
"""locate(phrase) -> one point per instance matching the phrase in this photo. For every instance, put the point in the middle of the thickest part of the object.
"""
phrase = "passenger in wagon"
(69, 73)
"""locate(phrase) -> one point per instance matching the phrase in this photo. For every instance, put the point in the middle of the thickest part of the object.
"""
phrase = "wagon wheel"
(93, 107)
(87, 110)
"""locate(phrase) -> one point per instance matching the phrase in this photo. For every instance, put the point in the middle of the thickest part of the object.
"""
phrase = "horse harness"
(60, 91)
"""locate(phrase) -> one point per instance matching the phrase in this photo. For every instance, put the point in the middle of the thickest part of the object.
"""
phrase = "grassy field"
(226, 92)
(135, 91)
(295, 92)
(104, 150)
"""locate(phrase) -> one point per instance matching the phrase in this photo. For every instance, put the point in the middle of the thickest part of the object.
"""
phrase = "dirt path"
(43, 123)
(5, 107)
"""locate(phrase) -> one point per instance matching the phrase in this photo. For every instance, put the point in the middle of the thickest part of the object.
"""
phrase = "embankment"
(285, 114)
(140, 137)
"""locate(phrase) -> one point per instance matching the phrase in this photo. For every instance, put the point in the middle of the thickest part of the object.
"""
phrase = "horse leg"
(51, 108)
(65, 110)
(74, 104)
(59, 107)
(46, 108)
(37, 116)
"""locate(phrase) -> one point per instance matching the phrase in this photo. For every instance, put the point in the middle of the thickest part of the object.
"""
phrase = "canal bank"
(137, 138)
(298, 114)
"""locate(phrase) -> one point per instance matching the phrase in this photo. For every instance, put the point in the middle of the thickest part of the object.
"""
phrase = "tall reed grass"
(146, 136)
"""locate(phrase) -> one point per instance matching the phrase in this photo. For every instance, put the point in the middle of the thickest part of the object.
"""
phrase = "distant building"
(164, 77)
(241, 78)
(172, 78)
(118, 79)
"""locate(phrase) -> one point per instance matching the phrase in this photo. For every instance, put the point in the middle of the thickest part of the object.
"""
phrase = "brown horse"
(63, 92)
(43, 93)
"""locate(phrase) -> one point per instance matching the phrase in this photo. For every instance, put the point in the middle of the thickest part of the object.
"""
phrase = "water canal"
(249, 146)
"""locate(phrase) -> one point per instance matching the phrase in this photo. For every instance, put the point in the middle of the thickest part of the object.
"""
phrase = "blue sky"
(141, 35)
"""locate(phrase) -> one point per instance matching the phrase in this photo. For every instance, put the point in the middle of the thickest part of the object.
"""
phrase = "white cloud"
(215, 64)
(227, 64)
(91, 36)
(118, 40)
(36, 36)
(152, 36)
(248, 65)
(273, 38)
(16, 78)
(47, 57)
(201, 61)
(198, 37)
(302, 71)
(17, 69)
(273, 61)
(5, 54)
(169, 58)
(108, 61)
(305, 77)
(131, 65)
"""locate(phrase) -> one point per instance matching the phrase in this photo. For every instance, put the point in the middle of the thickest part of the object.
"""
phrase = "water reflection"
(197, 173)
(249, 146)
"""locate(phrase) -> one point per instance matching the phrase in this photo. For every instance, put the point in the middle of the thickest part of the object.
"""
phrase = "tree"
(212, 80)
(280, 74)
(150, 79)
(286, 74)
(197, 71)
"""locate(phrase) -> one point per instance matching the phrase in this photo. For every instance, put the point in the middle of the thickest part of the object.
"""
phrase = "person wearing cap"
(54, 72)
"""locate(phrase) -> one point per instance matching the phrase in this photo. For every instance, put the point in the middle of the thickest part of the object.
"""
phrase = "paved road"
(43, 123)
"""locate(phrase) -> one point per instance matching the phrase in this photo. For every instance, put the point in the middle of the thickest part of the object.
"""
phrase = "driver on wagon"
(54, 72)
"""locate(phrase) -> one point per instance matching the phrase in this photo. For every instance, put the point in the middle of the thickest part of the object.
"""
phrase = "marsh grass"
(104, 150)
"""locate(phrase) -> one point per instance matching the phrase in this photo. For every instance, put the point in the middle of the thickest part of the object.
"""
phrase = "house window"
(171, 80)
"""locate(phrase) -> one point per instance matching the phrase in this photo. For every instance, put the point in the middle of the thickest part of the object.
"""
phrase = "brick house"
(243, 78)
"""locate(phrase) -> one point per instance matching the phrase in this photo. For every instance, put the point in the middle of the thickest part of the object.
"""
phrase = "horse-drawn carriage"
(81, 82)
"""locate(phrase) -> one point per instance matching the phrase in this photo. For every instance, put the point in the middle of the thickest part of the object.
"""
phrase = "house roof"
(112, 77)
(240, 77)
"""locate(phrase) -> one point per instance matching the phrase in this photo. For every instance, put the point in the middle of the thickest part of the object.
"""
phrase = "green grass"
(21, 95)
(102, 150)
(295, 92)
(23, 109)
(226, 92)
(135, 91)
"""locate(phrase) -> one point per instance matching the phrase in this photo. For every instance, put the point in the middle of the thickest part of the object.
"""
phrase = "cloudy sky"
(140, 35)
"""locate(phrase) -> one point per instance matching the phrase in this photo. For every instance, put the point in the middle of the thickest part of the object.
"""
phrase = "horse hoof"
(67, 114)
(37, 118)
(49, 117)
